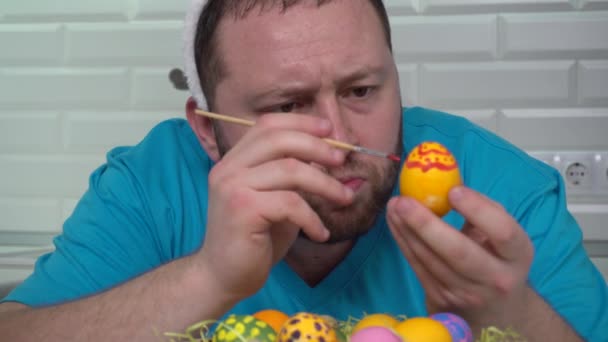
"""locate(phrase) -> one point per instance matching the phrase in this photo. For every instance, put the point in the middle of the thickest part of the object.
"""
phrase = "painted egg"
(274, 318)
(422, 329)
(242, 328)
(307, 327)
(375, 334)
(458, 327)
(428, 174)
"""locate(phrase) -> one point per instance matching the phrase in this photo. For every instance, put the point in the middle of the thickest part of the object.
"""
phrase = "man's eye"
(287, 107)
(359, 92)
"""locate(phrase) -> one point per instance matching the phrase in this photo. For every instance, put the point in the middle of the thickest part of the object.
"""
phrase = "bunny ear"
(190, 26)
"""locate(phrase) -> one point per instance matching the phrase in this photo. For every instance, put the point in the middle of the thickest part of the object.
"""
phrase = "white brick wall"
(78, 77)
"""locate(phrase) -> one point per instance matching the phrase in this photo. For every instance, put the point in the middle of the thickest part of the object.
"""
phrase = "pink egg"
(375, 334)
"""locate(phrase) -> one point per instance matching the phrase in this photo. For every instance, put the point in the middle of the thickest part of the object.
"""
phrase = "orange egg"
(428, 174)
(274, 318)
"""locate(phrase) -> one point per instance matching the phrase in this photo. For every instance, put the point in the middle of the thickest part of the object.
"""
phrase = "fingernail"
(325, 124)
(457, 193)
(348, 192)
(337, 155)
(326, 234)
(406, 203)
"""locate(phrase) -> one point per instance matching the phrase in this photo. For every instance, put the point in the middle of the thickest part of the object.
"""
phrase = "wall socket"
(585, 172)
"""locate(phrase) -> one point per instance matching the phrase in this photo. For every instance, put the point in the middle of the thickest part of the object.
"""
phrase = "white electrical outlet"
(585, 172)
(578, 174)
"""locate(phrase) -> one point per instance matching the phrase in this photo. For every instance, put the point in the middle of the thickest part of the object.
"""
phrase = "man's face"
(331, 61)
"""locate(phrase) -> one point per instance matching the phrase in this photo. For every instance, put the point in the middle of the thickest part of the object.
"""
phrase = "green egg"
(237, 328)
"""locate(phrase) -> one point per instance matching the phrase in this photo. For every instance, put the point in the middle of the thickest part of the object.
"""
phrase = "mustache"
(353, 166)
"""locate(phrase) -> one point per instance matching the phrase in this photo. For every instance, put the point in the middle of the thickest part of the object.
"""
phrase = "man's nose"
(342, 129)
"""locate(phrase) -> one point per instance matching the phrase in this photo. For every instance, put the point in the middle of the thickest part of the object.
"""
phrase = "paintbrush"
(334, 143)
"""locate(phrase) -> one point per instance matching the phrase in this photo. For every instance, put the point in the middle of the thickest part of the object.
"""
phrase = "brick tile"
(17, 215)
(568, 35)
(492, 85)
(46, 176)
(153, 90)
(15, 274)
(592, 218)
(98, 133)
(31, 45)
(161, 9)
(67, 207)
(495, 6)
(594, 4)
(408, 82)
(137, 44)
(445, 38)
(602, 266)
(486, 118)
(401, 7)
(556, 129)
(29, 132)
(593, 83)
(66, 10)
(60, 88)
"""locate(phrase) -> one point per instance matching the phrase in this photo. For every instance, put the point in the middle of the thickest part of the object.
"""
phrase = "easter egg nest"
(207, 331)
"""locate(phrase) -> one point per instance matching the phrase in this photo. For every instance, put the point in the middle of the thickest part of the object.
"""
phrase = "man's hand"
(480, 272)
(255, 207)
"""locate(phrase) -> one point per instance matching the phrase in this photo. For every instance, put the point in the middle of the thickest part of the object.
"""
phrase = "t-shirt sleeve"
(110, 238)
(562, 272)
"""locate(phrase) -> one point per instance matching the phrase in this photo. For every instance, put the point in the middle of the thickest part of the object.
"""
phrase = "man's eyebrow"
(298, 89)
(285, 91)
(359, 74)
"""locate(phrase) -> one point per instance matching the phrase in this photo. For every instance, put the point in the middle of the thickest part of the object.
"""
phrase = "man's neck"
(313, 261)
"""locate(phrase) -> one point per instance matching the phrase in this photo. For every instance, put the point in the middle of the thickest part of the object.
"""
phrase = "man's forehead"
(242, 8)
(273, 23)
(302, 33)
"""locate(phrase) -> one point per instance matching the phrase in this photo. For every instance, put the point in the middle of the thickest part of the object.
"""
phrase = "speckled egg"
(307, 327)
(243, 327)
(375, 334)
(458, 327)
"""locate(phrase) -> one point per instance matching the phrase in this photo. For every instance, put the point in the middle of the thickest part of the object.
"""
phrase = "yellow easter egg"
(304, 327)
(428, 174)
(375, 320)
(422, 329)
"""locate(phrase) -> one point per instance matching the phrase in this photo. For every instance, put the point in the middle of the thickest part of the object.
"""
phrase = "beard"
(349, 222)
(356, 219)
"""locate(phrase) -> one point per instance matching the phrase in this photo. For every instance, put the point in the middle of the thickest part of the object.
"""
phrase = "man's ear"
(203, 128)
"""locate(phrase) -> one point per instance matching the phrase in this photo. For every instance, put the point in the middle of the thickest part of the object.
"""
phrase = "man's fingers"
(505, 235)
(278, 138)
(430, 285)
(293, 174)
(456, 250)
(288, 206)
(437, 266)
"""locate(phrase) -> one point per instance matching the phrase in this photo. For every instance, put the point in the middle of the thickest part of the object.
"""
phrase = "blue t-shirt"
(148, 205)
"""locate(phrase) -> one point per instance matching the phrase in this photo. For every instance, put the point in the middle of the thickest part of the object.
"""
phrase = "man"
(170, 233)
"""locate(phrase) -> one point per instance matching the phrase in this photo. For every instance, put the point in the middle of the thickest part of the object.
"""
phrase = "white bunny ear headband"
(190, 70)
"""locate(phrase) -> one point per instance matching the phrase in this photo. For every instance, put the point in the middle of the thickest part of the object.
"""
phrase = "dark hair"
(209, 63)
